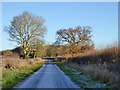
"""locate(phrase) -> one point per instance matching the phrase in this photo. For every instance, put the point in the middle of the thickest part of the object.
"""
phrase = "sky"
(101, 16)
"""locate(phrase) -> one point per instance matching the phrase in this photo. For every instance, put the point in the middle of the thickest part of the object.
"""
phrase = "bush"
(18, 50)
(103, 65)
(7, 53)
(108, 55)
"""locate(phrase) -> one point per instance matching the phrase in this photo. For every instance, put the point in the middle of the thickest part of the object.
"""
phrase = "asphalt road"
(48, 76)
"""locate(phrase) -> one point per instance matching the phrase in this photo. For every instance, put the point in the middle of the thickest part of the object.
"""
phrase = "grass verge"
(99, 73)
(11, 77)
(82, 80)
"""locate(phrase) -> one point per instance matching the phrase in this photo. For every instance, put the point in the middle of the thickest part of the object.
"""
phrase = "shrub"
(18, 50)
(7, 53)
(103, 65)
(108, 55)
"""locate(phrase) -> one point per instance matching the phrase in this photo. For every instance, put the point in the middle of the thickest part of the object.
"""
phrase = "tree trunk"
(24, 52)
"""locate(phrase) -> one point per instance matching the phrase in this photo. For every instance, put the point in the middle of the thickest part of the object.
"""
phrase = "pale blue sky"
(102, 17)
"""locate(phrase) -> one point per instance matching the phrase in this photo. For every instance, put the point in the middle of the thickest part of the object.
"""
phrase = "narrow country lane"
(48, 76)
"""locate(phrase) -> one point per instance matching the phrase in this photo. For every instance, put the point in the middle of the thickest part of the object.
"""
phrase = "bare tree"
(76, 38)
(25, 28)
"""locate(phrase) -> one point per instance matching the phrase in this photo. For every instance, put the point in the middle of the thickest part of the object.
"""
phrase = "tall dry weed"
(98, 72)
(12, 62)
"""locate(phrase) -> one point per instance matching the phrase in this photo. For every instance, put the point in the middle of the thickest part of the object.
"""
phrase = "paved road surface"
(48, 76)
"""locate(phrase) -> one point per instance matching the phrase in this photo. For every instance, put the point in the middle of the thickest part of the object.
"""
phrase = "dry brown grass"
(103, 65)
(99, 73)
(13, 62)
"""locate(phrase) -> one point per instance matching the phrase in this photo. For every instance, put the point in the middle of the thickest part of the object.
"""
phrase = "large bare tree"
(76, 38)
(25, 28)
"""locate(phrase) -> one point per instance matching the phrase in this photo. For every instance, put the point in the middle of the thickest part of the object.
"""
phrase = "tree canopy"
(25, 29)
(77, 38)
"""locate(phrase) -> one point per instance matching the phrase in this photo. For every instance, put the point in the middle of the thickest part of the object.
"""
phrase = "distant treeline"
(46, 51)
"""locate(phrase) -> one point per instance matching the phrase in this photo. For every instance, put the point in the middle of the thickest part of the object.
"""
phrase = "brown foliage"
(108, 55)
(79, 38)
(7, 53)
(12, 62)
(100, 72)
